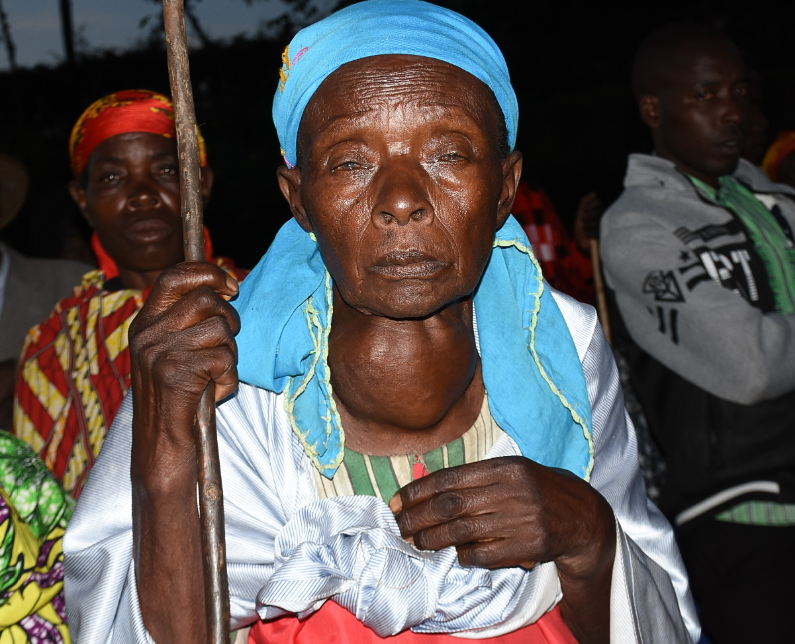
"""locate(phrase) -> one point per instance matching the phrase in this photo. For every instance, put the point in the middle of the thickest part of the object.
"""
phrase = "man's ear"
(208, 176)
(290, 185)
(79, 195)
(650, 110)
(511, 173)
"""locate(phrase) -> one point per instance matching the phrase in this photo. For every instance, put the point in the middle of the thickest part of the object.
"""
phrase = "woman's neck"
(140, 280)
(377, 364)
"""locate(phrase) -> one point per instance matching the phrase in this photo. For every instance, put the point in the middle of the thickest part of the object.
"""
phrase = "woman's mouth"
(408, 264)
(148, 231)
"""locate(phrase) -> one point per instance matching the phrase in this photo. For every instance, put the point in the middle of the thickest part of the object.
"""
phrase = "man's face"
(402, 181)
(132, 200)
(699, 118)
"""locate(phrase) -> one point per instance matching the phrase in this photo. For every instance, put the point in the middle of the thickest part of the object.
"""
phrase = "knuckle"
(449, 477)
(173, 277)
(463, 531)
(449, 504)
(206, 298)
(217, 329)
(229, 360)
(233, 318)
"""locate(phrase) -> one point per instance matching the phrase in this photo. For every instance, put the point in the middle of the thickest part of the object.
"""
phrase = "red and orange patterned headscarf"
(132, 110)
(782, 147)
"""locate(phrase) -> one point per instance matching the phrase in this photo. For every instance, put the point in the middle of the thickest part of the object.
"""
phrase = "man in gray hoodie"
(699, 254)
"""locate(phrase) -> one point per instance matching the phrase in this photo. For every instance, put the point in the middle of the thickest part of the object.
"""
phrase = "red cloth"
(130, 110)
(332, 623)
(562, 263)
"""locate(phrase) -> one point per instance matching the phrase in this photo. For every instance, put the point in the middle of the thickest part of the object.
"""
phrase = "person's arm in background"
(586, 222)
(707, 334)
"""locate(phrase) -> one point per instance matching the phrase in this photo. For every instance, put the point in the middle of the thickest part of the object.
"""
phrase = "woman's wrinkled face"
(403, 182)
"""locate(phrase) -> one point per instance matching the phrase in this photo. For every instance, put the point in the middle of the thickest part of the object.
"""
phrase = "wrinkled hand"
(509, 511)
(182, 338)
(586, 221)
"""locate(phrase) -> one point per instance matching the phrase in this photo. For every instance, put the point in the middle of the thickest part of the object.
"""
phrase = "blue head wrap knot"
(378, 27)
(531, 369)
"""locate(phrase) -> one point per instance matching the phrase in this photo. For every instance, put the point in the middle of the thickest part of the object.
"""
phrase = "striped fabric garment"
(74, 373)
(383, 476)
(761, 513)
(288, 550)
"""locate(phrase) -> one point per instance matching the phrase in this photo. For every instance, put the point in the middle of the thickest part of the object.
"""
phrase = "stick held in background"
(211, 508)
(601, 294)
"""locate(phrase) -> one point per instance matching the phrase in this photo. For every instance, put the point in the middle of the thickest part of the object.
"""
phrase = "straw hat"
(13, 188)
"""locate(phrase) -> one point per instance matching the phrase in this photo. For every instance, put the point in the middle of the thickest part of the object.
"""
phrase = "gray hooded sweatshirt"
(711, 361)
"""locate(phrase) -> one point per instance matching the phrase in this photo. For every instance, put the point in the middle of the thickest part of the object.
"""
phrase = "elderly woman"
(412, 425)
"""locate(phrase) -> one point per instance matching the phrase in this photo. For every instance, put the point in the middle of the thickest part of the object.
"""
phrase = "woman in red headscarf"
(75, 367)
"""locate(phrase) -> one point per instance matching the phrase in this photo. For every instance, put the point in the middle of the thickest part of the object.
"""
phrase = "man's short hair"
(656, 53)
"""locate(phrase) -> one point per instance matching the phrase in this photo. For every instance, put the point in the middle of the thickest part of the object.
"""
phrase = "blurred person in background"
(75, 367)
(565, 259)
(699, 253)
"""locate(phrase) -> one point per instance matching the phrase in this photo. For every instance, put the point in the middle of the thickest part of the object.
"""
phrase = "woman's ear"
(290, 185)
(78, 193)
(511, 173)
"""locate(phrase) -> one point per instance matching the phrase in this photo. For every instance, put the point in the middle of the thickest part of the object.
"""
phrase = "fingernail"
(396, 504)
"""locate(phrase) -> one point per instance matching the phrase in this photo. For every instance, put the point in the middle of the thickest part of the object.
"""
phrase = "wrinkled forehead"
(382, 27)
(393, 86)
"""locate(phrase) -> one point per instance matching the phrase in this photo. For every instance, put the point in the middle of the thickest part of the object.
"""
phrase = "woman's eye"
(109, 177)
(706, 95)
(452, 157)
(169, 169)
(346, 165)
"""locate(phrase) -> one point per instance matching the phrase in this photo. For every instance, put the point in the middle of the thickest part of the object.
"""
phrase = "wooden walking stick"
(601, 296)
(211, 508)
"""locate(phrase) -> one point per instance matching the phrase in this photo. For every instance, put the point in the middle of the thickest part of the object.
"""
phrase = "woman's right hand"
(182, 338)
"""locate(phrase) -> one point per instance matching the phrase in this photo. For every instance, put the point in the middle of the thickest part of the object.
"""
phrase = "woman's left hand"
(512, 511)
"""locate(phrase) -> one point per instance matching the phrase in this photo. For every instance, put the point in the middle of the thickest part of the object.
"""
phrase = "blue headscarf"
(531, 369)
(379, 27)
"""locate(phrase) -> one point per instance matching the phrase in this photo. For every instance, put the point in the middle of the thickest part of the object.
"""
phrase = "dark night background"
(569, 62)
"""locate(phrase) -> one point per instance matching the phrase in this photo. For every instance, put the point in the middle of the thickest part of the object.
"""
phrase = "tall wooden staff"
(211, 508)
